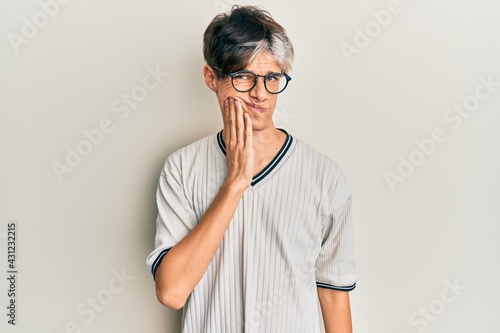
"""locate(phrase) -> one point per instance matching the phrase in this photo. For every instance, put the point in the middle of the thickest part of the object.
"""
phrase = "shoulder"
(183, 157)
(324, 170)
(305, 149)
(317, 159)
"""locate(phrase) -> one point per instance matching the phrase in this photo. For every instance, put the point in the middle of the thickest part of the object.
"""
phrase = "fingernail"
(226, 102)
(237, 103)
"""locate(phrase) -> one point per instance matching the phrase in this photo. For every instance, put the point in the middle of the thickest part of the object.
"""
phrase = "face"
(258, 102)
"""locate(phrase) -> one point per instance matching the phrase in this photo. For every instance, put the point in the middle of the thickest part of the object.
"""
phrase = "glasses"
(244, 81)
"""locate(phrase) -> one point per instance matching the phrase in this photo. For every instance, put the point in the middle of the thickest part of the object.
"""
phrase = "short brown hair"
(232, 40)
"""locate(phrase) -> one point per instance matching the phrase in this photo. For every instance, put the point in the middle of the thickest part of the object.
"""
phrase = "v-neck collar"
(274, 162)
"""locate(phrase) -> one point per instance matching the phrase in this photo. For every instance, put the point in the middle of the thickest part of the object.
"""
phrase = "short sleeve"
(335, 265)
(176, 217)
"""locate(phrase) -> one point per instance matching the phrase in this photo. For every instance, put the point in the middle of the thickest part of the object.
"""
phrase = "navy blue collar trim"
(267, 170)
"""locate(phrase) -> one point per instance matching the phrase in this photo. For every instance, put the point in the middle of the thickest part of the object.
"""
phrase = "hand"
(237, 136)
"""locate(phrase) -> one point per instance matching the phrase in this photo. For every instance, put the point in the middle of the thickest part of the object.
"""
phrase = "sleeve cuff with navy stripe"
(329, 286)
(158, 261)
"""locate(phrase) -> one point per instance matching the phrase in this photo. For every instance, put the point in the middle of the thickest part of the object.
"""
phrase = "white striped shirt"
(291, 233)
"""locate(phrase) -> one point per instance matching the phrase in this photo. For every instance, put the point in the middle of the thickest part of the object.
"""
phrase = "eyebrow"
(269, 72)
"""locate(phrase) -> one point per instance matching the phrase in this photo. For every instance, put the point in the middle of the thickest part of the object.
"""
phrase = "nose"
(259, 92)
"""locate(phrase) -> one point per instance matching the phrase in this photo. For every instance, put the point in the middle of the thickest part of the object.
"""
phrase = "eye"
(244, 77)
(273, 77)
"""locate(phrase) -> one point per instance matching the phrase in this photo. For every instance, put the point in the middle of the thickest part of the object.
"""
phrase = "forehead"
(264, 63)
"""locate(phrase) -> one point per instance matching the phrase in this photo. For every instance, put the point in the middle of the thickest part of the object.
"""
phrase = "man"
(253, 225)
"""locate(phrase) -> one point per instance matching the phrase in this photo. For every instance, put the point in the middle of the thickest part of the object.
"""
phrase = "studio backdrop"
(94, 95)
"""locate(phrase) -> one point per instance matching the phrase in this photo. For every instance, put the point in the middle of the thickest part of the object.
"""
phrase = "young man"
(253, 225)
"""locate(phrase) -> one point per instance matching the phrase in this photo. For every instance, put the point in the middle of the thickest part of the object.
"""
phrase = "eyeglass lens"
(245, 81)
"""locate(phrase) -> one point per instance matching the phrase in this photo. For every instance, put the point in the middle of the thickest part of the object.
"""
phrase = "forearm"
(336, 310)
(184, 265)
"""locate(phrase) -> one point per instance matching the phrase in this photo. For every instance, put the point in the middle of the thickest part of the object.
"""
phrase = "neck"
(266, 137)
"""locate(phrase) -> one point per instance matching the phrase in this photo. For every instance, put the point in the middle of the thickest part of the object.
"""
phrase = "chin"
(258, 126)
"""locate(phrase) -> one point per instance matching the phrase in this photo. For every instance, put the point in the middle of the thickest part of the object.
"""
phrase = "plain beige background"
(437, 226)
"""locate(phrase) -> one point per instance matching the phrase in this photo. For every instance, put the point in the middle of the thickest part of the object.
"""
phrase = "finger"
(231, 121)
(240, 122)
(248, 131)
(225, 119)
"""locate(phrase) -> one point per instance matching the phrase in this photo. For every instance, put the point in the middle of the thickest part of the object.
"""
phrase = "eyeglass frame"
(232, 74)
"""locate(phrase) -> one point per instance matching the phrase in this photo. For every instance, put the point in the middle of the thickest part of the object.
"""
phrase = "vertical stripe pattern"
(291, 233)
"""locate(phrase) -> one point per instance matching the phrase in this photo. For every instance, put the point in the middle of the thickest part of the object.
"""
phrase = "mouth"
(255, 108)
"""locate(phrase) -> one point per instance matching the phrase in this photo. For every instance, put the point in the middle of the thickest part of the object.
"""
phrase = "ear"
(210, 78)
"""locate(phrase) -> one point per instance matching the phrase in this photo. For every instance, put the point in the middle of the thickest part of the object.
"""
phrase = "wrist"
(235, 186)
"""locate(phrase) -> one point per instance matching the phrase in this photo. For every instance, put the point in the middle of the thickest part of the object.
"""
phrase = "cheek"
(272, 101)
(223, 90)
(226, 90)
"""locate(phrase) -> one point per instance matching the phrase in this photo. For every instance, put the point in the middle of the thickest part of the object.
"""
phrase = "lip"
(255, 108)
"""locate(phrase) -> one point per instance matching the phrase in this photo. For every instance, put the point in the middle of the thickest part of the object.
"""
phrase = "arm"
(184, 265)
(336, 310)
